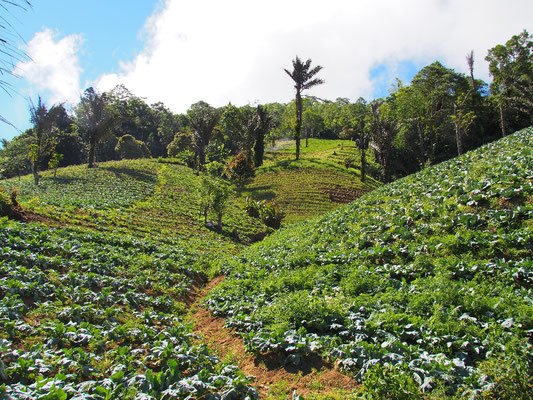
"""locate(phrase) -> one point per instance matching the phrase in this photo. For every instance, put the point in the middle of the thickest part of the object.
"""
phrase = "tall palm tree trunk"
(298, 122)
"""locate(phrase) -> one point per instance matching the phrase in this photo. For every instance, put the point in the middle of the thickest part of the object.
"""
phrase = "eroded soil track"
(317, 378)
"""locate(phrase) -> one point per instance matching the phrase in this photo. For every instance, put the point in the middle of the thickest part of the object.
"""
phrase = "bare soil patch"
(342, 195)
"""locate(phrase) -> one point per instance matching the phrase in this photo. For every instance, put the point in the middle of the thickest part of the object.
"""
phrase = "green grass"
(314, 185)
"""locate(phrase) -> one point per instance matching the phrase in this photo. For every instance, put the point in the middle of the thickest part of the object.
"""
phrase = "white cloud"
(54, 69)
(235, 50)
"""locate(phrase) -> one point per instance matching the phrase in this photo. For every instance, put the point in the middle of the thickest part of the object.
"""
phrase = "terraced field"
(316, 184)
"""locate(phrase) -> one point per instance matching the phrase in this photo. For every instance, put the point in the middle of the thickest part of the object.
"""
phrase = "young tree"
(203, 119)
(43, 134)
(303, 77)
(95, 118)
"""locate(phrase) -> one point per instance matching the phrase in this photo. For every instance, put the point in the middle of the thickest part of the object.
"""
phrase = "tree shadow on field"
(134, 173)
(308, 364)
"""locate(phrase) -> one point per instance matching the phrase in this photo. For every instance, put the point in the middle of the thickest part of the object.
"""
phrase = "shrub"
(269, 212)
(181, 142)
(272, 214)
(216, 152)
(9, 206)
(252, 207)
(214, 169)
(129, 148)
(240, 170)
(388, 382)
(187, 157)
(349, 162)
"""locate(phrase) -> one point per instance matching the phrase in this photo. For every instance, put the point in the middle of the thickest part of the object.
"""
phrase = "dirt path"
(317, 378)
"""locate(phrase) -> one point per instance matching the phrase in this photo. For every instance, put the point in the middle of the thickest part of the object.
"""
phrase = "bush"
(272, 214)
(186, 157)
(129, 148)
(240, 170)
(214, 169)
(181, 142)
(388, 382)
(9, 206)
(269, 212)
(252, 207)
(216, 152)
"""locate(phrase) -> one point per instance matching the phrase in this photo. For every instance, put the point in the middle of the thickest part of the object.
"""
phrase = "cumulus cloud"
(235, 50)
(54, 69)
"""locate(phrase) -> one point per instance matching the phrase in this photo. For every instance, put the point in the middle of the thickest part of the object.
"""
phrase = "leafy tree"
(95, 118)
(382, 128)
(54, 162)
(182, 141)
(14, 156)
(238, 124)
(130, 148)
(303, 77)
(203, 119)
(43, 134)
(214, 195)
(240, 169)
(424, 111)
(511, 66)
(263, 127)
(313, 123)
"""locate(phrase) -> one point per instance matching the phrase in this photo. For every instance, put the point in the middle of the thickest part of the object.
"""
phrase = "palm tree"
(95, 118)
(302, 76)
(43, 134)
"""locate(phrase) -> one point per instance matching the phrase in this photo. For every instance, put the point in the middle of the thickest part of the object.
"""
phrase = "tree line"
(440, 114)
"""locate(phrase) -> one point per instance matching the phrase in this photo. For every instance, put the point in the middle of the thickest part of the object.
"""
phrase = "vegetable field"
(425, 283)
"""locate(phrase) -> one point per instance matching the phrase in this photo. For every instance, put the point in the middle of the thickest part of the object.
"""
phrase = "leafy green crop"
(431, 274)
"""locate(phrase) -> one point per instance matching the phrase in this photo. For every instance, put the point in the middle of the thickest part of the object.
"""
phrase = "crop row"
(99, 316)
(432, 274)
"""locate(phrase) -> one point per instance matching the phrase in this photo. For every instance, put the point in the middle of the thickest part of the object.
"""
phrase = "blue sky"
(179, 51)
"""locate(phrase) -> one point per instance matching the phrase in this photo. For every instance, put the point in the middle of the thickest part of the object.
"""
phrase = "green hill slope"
(432, 275)
(94, 296)
(317, 183)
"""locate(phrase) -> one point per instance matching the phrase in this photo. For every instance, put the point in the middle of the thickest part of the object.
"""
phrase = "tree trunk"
(92, 153)
(502, 121)
(219, 222)
(363, 164)
(458, 132)
(298, 122)
(36, 174)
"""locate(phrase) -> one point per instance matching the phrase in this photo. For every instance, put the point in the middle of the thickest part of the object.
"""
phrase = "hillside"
(317, 183)
(95, 290)
(425, 282)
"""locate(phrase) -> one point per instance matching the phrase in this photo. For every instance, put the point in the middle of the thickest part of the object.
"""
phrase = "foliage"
(129, 148)
(203, 119)
(7, 208)
(182, 141)
(511, 66)
(240, 169)
(268, 211)
(430, 275)
(304, 78)
(95, 118)
(387, 382)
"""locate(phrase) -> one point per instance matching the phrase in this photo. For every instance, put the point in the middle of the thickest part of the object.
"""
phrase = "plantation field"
(421, 285)
(98, 316)
(314, 185)
(94, 298)
(143, 198)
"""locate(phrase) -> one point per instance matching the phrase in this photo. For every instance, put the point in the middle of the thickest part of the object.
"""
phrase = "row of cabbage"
(85, 315)
(432, 274)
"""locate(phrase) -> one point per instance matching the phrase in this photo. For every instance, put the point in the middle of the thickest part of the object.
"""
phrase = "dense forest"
(438, 115)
